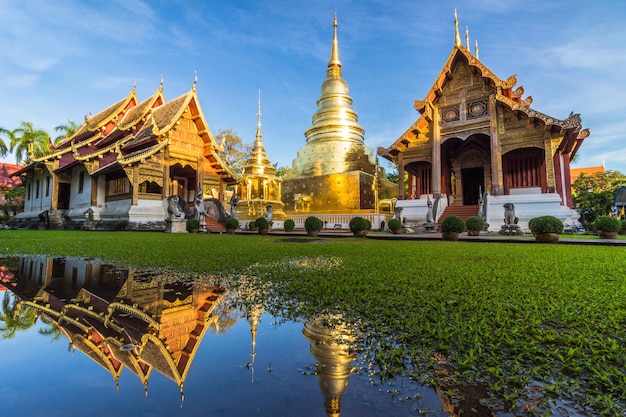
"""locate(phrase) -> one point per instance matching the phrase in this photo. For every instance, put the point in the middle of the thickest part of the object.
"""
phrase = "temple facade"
(119, 168)
(478, 144)
(335, 172)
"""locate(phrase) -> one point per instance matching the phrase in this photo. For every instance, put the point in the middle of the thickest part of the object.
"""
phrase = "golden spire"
(457, 37)
(467, 38)
(334, 65)
(195, 80)
(258, 122)
(476, 49)
(161, 85)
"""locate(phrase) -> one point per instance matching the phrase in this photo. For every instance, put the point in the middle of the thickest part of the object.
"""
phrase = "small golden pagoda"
(334, 171)
(259, 188)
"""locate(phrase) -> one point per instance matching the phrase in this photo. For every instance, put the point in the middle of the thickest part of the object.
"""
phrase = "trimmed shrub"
(607, 224)
(394, 224)
(623, 226)
(474, 223)
(545, 224)
(193, 224)
(252, 225)
(313, 223)
(453, 224)
(359, 224)
(232, 223)
(262, 223)
(289, 225)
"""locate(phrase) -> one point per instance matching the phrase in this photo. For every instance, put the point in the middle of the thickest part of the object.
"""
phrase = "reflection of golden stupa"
(331, 348)
(260, 187)
(335, 171)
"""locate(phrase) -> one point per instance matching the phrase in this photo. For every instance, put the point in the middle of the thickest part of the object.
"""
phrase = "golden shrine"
(260, 189)
(335, 172)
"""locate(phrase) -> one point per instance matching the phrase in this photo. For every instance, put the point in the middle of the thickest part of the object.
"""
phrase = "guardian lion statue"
(509, 214)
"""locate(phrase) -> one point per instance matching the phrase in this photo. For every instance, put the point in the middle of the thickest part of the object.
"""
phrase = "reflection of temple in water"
(120, 318)
(331, 346)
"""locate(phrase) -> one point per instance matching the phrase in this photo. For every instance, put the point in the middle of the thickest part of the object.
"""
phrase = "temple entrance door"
(64, 196)
(473, 180)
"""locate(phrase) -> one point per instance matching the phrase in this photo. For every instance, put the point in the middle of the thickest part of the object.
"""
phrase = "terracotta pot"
(230, 231)
(547, 238)
(607, 235)
(453, 236)
(312, 232)
(473, 232)
(397, 232)
(193, 230)
(264, 231)
(360, 233)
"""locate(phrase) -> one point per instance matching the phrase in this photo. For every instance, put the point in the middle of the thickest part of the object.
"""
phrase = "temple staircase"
(461, 211)
(213, 226)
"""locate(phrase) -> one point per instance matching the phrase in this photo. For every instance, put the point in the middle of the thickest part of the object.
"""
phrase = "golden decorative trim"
(143, 155)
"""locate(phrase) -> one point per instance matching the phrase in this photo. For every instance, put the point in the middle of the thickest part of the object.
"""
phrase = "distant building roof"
(6, 170)
(576, 172)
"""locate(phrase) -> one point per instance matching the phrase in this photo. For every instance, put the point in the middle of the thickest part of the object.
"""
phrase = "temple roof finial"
(334, 65)
(195, 80)
(476, 54)
(457, 37)
(467, 38)
(161, 85)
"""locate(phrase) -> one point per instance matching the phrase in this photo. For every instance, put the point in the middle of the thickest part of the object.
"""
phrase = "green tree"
(593, 194)
(65, 131)
(27, 142)
(235, 152)
(283, 172)
(49, 329)
(15, 316)
(3, 146)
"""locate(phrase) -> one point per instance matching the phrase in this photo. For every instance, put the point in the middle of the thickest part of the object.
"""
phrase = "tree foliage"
(593, 194)
(26, 142)
(235, 152)
(66, 130)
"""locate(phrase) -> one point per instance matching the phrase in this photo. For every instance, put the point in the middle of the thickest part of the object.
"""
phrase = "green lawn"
(526, 320)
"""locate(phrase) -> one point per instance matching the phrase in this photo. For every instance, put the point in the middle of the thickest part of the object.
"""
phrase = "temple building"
(118, 169)
(335, 172)
(260, 189)
(478, 144)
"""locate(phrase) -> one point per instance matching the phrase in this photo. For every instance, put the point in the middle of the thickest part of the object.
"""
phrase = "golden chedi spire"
(335, 140)
(258, 157)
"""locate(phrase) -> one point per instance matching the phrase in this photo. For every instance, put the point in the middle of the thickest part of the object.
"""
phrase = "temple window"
(36, 189)
(81, 181)
(47, 185)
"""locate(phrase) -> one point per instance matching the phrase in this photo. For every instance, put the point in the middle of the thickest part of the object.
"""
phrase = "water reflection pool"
(78, 337)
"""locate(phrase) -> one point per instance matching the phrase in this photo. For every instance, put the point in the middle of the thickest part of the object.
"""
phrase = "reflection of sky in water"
(43, 378)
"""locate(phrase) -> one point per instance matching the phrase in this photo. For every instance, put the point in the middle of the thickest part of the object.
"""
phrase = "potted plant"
(395, 226)
(289, 225)
(359, 226)
(313, 225)
(451, 227)
(546, 229)
(474, 224)
(263, 225)
(607, 227)
(232, 224)
(252, 226)
(622, 230)
(193, 225)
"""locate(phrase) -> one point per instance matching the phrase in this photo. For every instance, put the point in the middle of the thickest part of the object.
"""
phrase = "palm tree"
(3, 146)
(14, 316)
(49, 329)
(66, 130)
(27, 142)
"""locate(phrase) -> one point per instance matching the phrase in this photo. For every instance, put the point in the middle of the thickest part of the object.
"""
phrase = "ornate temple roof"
(506, 94)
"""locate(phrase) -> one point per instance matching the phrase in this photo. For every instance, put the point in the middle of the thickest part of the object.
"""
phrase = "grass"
(531, 322)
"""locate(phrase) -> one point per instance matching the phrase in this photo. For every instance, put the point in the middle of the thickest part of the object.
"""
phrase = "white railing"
(339, 221)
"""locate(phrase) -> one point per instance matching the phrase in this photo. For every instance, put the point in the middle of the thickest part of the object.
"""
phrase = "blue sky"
(63, 59)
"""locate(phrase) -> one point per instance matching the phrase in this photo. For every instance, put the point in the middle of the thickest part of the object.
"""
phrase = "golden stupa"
(259, 188)
(335, 171)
